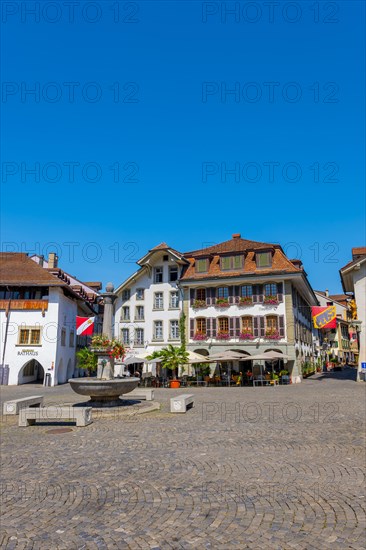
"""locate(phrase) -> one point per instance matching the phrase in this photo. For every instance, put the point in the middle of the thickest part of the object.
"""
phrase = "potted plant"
(172, 358)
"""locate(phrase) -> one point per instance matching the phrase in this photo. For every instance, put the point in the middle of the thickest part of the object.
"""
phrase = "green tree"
(172, 358)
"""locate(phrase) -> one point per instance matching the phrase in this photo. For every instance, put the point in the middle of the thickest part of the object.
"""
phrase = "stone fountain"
(104, 390)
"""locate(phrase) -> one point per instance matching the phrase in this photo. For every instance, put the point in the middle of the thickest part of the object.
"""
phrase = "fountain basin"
(103, 392)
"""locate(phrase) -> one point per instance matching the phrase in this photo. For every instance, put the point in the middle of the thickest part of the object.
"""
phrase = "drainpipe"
(6, 328)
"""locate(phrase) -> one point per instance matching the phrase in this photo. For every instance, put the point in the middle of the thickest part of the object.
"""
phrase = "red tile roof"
(358, 251)
(17, 269)
(236, 244)
(280, 263)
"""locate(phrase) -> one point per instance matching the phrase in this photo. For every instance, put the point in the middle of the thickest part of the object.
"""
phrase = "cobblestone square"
(261, 468)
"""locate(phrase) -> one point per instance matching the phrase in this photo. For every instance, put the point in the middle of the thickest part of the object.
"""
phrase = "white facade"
(354, 280)
(359, 281)
(56, 346)
(147, 311)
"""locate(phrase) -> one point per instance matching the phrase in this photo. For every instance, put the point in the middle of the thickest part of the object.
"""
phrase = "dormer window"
(202, 265)
(228, 263)
(263, 259)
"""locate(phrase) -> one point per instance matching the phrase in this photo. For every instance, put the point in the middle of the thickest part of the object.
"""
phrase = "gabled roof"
(159, 248)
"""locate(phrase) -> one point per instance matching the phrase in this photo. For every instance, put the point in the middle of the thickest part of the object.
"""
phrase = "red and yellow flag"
(324, 317)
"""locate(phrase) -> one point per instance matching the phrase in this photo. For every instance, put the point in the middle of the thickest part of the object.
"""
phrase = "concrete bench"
(181, 403)
(81, 415)
(15, 405)
(141, 393)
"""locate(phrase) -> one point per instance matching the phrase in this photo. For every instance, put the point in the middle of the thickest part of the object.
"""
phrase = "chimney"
(52, 260)
(326, 292)
(236, 236)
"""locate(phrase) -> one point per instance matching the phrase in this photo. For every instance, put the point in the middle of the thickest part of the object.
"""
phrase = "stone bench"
(81, 415)
(140, 393)
(181, 403)
(15, 405)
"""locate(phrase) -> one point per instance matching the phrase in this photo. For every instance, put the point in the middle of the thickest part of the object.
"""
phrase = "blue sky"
(146, 93)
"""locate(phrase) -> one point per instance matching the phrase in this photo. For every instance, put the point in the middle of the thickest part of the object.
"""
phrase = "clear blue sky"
(168, 123)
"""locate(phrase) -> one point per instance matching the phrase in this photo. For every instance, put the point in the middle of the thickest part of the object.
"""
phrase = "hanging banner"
(84, 326)
(324, 317)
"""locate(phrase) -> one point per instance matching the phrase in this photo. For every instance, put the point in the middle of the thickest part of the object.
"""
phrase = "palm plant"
(87, 360)
(172, 358)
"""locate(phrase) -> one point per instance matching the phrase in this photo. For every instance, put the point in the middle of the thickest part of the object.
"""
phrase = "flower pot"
(175, 384)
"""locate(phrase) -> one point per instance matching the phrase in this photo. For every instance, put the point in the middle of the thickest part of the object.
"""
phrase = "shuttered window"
(231, 262)
(223, 292)
(201, 265)
(223, 324)
(270, 289)
(246, 291)
(263, 259)
(271, 322)
(247, 324)
(201, 325)
(201, 294)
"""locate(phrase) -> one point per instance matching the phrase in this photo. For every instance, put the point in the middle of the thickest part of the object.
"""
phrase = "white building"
(38, 308)
(148, 306)
(353, 276)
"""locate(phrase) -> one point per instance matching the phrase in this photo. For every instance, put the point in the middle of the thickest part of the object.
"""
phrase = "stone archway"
(203, 352)
(31, 372)
(276, 365)
(244, 366)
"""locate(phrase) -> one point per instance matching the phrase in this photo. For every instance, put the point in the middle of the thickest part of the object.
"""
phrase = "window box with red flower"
(198, 304)
(222, 302)
(245, 301)
(273, 335)
(246, 335)
(271, 299)
(200, 336)
(222, 336)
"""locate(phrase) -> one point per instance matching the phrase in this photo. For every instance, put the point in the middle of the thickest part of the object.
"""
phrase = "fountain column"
(106, 363)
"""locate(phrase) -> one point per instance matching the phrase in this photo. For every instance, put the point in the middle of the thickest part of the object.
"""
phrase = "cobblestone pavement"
(261, 468)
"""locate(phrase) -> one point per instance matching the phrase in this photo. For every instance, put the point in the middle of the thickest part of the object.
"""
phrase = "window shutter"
(213, 325)
(191, 328)
(281, 321)
(213, 296)
(231, 294)
(255, 294)
(262, 330)
(208, 328)
(232, 327)
(255, 327)
(236, 294)
(280, 292)
(260, 293)
(237, 326)
(192, 295)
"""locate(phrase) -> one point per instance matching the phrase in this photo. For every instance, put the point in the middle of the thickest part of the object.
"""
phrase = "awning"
(131, 360)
